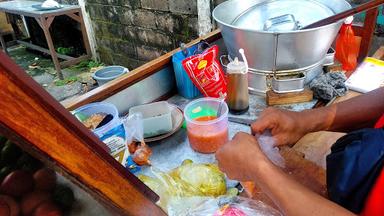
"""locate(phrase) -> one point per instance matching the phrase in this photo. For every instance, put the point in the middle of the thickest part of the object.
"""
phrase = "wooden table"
(45, 19)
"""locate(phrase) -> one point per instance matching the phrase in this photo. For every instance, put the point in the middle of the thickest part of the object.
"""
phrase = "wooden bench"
(2, 40)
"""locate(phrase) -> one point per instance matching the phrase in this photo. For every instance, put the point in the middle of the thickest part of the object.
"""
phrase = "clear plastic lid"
(236, 67)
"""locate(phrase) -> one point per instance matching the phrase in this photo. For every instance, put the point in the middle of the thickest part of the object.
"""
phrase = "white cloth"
(50, 4)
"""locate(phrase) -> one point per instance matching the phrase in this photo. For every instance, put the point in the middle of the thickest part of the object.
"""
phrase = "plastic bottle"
(347, 48)
(237, 81)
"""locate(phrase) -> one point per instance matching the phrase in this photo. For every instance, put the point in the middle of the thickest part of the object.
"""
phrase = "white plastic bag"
(188, 179)
(134, 128)
(221, 206)
(139, 152)
(267, 143)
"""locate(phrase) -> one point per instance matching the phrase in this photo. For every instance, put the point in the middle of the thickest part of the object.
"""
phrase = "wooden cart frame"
(34, 120)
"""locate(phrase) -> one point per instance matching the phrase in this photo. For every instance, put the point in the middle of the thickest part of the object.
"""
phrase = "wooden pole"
(45, 23)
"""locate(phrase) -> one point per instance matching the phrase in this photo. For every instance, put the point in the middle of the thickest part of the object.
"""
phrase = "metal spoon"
(363, 7)
(218, 114)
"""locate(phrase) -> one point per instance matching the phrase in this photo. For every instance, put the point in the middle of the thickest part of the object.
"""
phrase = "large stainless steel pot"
(255, 25)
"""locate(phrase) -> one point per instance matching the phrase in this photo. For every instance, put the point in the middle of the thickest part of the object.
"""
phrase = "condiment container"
(112, 133)
(157, 118)
(206, 129)
(100, 107)
(237, 81)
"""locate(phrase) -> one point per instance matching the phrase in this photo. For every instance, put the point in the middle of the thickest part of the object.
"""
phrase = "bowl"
(109, 73)
(206, 130)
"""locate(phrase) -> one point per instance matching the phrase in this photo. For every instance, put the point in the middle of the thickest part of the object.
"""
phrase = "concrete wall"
(132, 32)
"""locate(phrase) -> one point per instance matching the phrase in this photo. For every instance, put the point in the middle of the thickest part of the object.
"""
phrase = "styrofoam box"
(157, 118)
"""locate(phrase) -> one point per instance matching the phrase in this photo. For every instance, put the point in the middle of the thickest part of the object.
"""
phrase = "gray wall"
(132, 32)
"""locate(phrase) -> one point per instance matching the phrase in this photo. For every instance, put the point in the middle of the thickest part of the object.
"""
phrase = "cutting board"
(302, 170)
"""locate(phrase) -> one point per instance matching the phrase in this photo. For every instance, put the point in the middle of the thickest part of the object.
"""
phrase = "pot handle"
(222, 62)
(329, 57)
(286, 22)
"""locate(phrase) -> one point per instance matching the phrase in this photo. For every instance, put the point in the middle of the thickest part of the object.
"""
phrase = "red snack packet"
(206, 73)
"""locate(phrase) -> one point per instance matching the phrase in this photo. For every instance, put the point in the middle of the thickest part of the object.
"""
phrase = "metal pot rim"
(290, 71)
(267, 32)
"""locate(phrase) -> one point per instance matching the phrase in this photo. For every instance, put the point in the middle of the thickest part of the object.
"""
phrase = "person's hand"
(287, 127)
(239, 157)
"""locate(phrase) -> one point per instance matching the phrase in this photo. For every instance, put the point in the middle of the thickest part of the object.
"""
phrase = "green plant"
(66, 81)
(86, 65)
(65, 50)
(92, 64)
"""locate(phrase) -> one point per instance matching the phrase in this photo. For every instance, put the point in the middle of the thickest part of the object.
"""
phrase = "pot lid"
(282, 15)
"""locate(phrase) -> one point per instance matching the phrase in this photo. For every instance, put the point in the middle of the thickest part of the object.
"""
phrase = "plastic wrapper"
(189, 179)
(206, 73)
(267, 145)
(138, 150)
(134, 128)
(221, 206)
(116, 139)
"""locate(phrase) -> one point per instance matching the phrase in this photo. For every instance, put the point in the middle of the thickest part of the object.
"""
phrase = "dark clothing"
(353, 166)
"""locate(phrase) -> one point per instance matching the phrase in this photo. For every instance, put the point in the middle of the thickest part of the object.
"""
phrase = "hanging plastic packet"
(206, 73)
(138, 150)
(201, 47)
(347, 46)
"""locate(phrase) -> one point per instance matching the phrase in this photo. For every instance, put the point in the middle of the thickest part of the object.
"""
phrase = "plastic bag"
(221, 206)
(189, 179)
(139, 151)
(206, 73)
(267, 145)
(115, 140)
(134, 128)
(347, 46)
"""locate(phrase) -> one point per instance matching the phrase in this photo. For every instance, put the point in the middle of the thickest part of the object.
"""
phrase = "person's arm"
(290, 196)
(356, 113)
(242, 159)
(288, 127)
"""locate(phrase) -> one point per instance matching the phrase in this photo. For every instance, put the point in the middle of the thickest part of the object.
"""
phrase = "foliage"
(66, 81)
(65, 50)
(86, 65)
